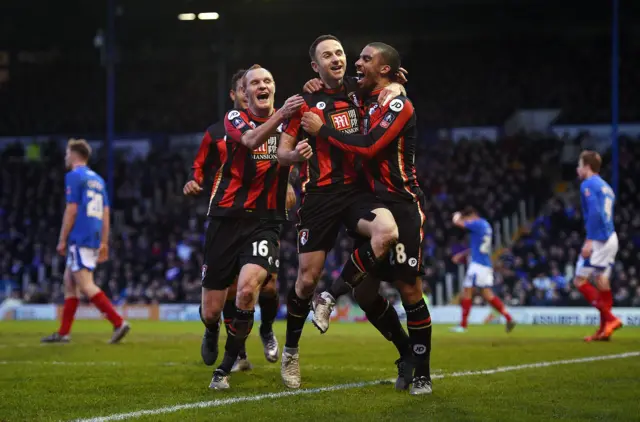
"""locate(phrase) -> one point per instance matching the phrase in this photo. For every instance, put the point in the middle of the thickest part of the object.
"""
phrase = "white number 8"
(261, 248)
(400, 255)
(94, 207)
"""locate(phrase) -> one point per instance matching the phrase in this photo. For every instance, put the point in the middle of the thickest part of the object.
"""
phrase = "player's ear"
(314, 66)
(232, 95)
(385, 70)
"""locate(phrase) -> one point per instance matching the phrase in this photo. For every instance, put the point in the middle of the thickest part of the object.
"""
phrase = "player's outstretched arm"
(396, 117)
(253, 138)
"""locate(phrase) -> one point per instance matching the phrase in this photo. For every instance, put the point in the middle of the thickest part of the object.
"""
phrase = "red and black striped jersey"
(329, 167)
(389, 143)
(210, 157)
(251, 183)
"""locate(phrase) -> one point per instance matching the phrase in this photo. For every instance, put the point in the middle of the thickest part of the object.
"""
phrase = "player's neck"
(76, 165)
(261, 112)
(332, 84)
(382, 84)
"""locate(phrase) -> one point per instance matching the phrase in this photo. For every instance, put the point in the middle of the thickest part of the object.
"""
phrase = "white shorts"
(603, 256)
(478, 276)
(79, 258)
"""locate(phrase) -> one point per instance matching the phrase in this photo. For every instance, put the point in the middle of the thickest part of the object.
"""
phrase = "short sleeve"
(73, 188)
(236, 124)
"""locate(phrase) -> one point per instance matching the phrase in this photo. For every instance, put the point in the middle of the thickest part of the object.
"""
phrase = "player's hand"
(62, 248)
(401, 76)
(586, 249)
(456, 259)
(291, 197)
(103, 253)
(389, 93)
(291, 106)
(311, 123)
(191, 188)
(314, 85)
(303, 150)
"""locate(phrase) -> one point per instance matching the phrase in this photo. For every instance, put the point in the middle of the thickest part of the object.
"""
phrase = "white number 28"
(95, 205)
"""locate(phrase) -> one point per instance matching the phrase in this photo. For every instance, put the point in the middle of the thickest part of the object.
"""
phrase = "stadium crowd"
(157, 233)
(538, 269)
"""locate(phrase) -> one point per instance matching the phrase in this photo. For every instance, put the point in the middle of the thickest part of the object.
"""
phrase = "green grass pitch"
(158, 366)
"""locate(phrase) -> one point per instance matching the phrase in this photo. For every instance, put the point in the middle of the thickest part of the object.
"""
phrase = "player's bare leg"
(268, 301)
(383, 232)
(298, 307)
(71, 300)
(466, 300)
(419, 327)
(382, 315)
(250, 280)
(84, 280)
(211, 307)
(612, 323)
(498, 305)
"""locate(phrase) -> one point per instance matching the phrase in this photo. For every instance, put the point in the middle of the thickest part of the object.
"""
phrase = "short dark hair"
(314, 44)
(390, 56)
(591, 159)
(80, 147)
(468, 211)
(236, 77)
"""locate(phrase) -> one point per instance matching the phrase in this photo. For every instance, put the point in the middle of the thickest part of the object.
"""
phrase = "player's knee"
(410, 293)
(246, 295)
(487, 294)
(308, 277)
(211, 315)
(579, 281)
(385, 235)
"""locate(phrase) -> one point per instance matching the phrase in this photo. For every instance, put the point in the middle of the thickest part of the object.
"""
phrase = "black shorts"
(232, 243)
(405, 261)
(321, 216)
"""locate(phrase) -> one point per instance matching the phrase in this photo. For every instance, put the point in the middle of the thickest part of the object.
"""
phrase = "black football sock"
(419, 327)
(238, 332)
(297, 311)
(384, 317)
(268, 310)
(229, 313)
(361, 262)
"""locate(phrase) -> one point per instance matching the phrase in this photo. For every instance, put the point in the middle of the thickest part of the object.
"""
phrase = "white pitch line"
(307, 391)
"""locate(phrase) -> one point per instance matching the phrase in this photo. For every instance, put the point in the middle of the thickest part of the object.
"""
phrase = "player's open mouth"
(337, 68)
(263, 97)
(359, 76)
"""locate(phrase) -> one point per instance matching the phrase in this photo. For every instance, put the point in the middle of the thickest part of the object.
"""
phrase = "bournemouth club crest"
(303, 236)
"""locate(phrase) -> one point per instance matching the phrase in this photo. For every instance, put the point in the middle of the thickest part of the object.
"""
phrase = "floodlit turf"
(158, 366)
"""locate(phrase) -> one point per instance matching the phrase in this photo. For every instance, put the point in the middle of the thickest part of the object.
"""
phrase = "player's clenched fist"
(311, 123)
(303, 150)
(191, 188)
